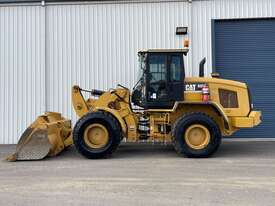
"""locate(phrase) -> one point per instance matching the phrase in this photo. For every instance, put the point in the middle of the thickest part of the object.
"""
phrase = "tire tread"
(106, 117)
(180, 121)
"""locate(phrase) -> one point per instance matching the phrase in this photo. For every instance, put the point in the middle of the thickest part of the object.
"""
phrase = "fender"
(216, 106)
(116, 115)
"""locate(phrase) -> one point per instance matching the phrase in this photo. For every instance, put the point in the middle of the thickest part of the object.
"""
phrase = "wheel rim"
(197, 136)
(96, 136)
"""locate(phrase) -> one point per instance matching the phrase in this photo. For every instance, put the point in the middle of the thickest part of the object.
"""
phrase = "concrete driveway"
(241, 173)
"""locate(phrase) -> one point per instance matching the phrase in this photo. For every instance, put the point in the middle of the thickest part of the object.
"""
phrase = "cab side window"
(175, 68)
(157, 76)
(157, 65)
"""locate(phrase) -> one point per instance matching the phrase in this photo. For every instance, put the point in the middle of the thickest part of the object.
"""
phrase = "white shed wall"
(45, 50)
(96, 46)
(22, 69)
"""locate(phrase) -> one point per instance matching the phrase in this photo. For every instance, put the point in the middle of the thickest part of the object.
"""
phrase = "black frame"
(175, 95)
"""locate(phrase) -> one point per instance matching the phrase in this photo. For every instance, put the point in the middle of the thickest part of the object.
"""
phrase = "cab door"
(165, 79)
(157, 81)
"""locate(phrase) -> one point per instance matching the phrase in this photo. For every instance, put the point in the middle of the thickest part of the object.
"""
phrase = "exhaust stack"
(201, 74)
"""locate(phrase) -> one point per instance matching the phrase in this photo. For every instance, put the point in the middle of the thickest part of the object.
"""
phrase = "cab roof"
(184, 51)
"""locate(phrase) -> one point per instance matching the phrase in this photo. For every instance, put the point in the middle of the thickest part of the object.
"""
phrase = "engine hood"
(215, 81)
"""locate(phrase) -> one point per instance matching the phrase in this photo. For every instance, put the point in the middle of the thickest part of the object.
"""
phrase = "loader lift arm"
(80, 106)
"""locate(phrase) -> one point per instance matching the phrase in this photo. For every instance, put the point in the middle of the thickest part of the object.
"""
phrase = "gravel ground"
(241, 173)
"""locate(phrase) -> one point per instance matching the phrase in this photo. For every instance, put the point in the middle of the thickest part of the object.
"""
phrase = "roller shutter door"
(244, 50)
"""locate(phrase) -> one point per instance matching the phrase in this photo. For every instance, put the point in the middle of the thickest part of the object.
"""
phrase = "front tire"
(196, 135)
(97, 135)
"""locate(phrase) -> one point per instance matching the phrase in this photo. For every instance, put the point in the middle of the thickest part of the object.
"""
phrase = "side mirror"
(136, 97)
(201, 74)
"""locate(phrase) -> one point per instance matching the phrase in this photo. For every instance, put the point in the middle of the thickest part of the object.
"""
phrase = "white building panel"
(45, 50)
(95, 46)
(22, 69)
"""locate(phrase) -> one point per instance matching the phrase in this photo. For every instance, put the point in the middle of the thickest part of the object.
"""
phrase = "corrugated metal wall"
(95, 45)
(245, 51)
(22, 69)
(204, 11)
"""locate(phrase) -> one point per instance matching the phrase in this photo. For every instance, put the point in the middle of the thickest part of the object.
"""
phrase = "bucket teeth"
(48, 135)
(11, 158)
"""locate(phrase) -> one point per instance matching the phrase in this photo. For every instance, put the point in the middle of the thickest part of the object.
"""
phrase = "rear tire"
(104, 123)
(207, 131)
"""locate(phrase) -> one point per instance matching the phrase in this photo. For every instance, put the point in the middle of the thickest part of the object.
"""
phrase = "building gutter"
(73, 2)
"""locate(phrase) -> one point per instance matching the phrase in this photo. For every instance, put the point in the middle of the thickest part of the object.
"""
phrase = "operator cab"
(161, 81)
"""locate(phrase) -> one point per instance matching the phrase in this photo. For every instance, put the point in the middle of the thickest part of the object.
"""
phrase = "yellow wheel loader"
(192, 113)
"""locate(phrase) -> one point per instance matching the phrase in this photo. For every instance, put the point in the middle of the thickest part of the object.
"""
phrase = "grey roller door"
(244, 50)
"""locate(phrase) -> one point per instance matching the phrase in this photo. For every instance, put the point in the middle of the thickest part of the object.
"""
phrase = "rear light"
(205, 93)
(186, 43)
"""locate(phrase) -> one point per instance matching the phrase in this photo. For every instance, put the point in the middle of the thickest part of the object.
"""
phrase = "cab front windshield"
(139, 90)
(141, 72)
(142, 66)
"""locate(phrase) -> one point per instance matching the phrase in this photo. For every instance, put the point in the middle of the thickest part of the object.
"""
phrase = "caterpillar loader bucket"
(48, 135)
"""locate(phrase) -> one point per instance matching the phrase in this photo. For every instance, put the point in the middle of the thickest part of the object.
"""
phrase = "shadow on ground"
(228, 149)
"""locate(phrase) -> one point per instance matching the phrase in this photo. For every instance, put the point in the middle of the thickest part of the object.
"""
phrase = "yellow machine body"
(229, 120)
